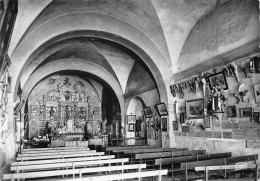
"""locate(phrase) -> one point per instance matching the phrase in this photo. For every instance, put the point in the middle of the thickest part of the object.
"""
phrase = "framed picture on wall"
(148, 112)
(34, 108)
(131, 119)
(257, 93)
(118, 115)
(246, 112)
(164, 124)
(218, 79)
(131, 127)
(161, 109)
(231, 111)
(257, 64)
(256, 116)
(195, 109)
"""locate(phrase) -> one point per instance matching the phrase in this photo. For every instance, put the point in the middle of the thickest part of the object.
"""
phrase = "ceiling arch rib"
(73, 64)
(48, 31)
(112, 57)
(139, 14)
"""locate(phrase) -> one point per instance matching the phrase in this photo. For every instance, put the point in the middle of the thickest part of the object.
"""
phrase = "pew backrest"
(58, 148)
(168, 154)
(59, 156)
(55, 151)
(123, 176)
(192, 158)
(68, 165)
(37, 162)
(129, 147)
(220, 161)
(153, 150)
(71, 171)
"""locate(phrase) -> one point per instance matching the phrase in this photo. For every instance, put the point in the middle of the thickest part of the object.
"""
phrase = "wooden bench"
(192, 158)
(130, 153)
(54, 153)
(129, 146)
(214, 162)
(123, 176)
(109, 149)
(60, 156)
(68, 165)
(154, 150)
(37, 162)
(73, 172)
(41, 149)
(242, 166)
(168, 154)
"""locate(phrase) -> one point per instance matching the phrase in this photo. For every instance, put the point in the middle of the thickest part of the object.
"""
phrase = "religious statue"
(86, 134)
(67, 112)
(52, 112)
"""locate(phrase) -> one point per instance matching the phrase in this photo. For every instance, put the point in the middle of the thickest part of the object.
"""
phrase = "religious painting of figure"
(82, 113)
(52, 112)
(42, 112)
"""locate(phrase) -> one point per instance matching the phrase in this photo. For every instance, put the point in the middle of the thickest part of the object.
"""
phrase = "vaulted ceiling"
(111, 35)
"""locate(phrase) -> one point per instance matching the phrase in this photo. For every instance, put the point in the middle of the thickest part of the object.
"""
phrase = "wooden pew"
(37, 162)
(58, 148)
(154, 150)
(108, 149)
(54, 153)
(214, 162)
(168, 154)
(130, 153)
(68, 165)
(72, 171)
(192, 158)
(60, 156)
(242, 166)
(123, 176)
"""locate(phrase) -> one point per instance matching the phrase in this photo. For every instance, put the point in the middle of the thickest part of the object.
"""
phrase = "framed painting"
(218, 80)
(164, 124)
(257, 64)
(118, 115)
(148, 112)
(246, 112)
(131, 127)
(34, 108)
(257, 93)
(255, 116)
(161, 109)
(195, 109)
(231, 111)
(131, 119)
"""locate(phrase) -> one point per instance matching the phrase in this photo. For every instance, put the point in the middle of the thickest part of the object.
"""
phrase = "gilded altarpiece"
(67, 106)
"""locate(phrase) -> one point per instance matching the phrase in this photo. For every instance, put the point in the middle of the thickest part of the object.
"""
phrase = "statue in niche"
(52, 112)
(67, 95)
(68, 113)
(104, 126)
